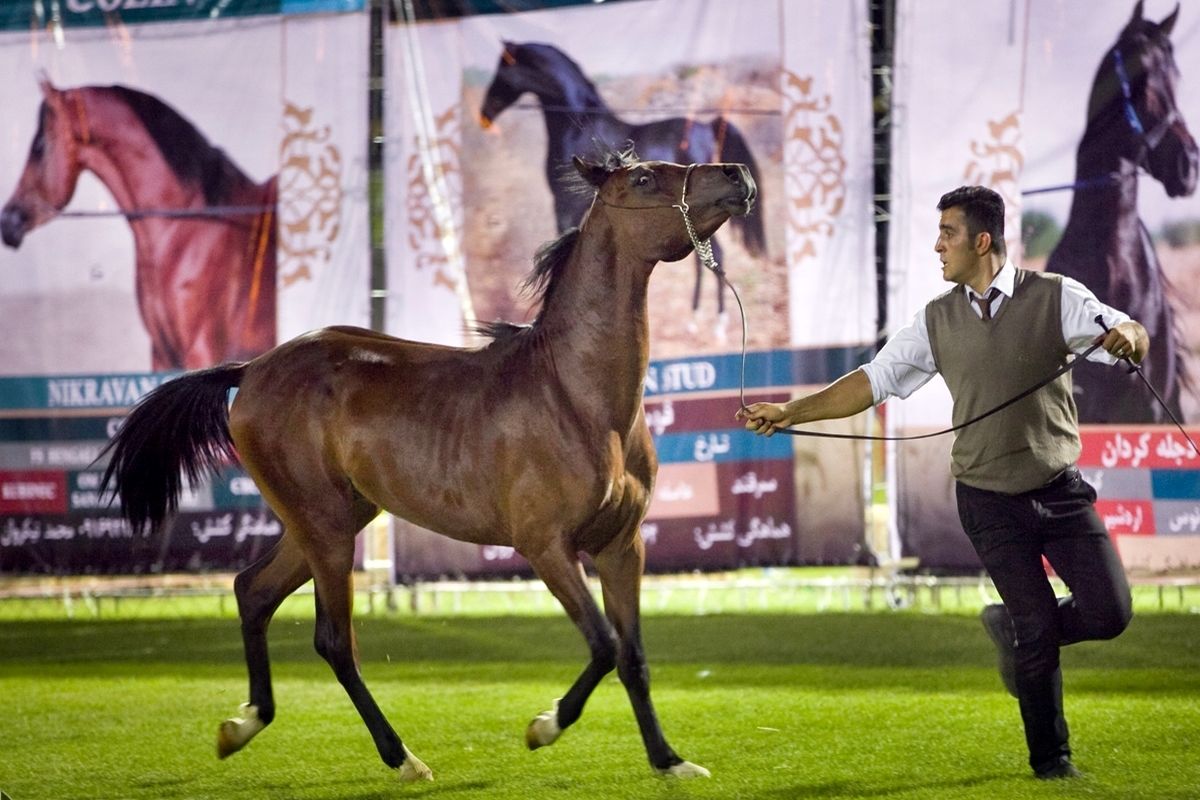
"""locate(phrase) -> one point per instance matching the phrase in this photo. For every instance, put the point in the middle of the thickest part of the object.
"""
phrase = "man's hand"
(1126, 340)
(764, 418)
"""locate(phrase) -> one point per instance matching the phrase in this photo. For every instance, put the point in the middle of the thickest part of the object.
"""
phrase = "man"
(1020, 496)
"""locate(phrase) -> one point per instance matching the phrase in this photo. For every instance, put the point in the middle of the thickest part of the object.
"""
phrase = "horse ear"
(1168, 24)
(1137, 12)
(595, 174)
(45, 85)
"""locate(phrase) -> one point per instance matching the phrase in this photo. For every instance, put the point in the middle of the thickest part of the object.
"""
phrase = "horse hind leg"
(259, 589)
(335, 642)
(563, 575)
(620, 568)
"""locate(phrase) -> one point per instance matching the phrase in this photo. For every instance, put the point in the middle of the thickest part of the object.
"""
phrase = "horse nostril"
(734, 173)
(13, 222)
(1188, 163)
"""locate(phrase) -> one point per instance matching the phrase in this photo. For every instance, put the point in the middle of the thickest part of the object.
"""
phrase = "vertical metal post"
(375, 143)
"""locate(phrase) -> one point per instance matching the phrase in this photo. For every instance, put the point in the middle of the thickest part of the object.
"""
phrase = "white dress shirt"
(905, 363)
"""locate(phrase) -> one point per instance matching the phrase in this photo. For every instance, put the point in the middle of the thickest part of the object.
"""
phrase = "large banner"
(1078, 115)
(236, 218)
(488, 111)
(184, 183)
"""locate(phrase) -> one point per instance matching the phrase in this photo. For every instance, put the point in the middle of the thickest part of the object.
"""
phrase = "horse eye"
(643, 180)
(38, 146)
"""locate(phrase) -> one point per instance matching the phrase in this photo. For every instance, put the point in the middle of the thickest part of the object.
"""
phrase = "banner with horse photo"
(183, 185)
(1078, 116)
(487, 115)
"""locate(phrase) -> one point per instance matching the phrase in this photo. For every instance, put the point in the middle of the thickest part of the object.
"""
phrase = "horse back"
(478, 444)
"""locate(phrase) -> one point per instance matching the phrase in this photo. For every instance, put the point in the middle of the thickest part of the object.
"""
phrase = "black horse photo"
(580, 124)
(1133, 124)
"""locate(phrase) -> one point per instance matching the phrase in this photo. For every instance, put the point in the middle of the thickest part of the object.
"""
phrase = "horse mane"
(189, 154)
(551, 257)
(547, 57)
(547, 267)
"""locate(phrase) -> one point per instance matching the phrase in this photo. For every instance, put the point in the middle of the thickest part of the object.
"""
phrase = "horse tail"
(732, 147)
(179, 429)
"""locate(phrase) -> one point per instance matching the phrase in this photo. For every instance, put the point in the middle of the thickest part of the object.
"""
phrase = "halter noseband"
(1150, 140)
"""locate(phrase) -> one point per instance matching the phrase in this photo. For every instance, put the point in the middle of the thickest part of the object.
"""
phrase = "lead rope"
(704, 252)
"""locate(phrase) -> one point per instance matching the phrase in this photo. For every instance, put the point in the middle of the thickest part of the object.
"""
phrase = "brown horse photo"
(536, 441)
(204, 233)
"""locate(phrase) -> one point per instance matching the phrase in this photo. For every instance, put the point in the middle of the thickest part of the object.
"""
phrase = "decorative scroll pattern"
(434, 200)
(310, 195)
(815, 167)
(997, 164)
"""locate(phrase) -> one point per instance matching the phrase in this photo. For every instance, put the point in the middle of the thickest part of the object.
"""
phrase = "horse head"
(664, 209)
(52, 169)
(1140, 92)
(543, 70)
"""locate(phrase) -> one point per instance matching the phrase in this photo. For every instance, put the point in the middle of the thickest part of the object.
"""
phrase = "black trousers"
(1011, 533)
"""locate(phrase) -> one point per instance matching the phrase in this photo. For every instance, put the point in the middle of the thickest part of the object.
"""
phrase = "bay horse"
(536, 441)
(578, 121)
(1133, 123)
(204, 233)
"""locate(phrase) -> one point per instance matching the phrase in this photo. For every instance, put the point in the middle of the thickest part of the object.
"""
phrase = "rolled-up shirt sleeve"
(904, 364)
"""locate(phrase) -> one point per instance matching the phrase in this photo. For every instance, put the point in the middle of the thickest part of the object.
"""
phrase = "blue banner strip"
(26, 15)
(1175, 484)
(78, 391)
(764, 369)
(720, 447)
(320, 6)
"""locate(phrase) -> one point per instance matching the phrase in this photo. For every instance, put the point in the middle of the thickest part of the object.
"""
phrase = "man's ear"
(983, 242)
(595, 174)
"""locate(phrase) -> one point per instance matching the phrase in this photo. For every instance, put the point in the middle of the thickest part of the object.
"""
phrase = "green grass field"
(833, 705)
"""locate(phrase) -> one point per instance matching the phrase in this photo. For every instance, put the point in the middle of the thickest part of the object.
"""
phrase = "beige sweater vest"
(986, 363)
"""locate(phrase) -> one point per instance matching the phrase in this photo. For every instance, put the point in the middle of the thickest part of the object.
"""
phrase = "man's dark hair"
(983, 210)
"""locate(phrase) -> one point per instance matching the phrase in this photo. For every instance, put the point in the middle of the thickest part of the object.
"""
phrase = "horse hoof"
(233, 734)
(685, 769)
(543, 730)
(413, 769)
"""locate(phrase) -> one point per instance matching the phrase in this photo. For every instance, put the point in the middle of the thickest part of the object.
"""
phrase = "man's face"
(956, 247)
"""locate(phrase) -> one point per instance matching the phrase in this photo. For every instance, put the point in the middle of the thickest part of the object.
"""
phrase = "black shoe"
(1058, 769)
(999, 627)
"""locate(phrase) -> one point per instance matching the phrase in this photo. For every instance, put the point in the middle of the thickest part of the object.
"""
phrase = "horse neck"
(570, 104)
(128, 162)
(594, 327)
(1110, 206)
(1103, 243)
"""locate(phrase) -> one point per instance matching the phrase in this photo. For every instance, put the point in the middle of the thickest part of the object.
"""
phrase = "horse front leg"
(259, 589)
(620, 568)
(563, 575)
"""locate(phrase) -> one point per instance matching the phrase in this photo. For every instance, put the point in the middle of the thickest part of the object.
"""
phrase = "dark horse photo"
(536, 441)
(204, 233)
(1133, 124)
(579, 123)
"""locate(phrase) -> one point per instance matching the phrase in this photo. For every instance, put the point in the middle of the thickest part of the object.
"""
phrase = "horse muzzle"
(1187, 171)
(14, 223)
(739, 175)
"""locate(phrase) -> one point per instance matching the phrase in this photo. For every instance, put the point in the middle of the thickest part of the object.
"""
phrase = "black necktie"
(985, 302)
